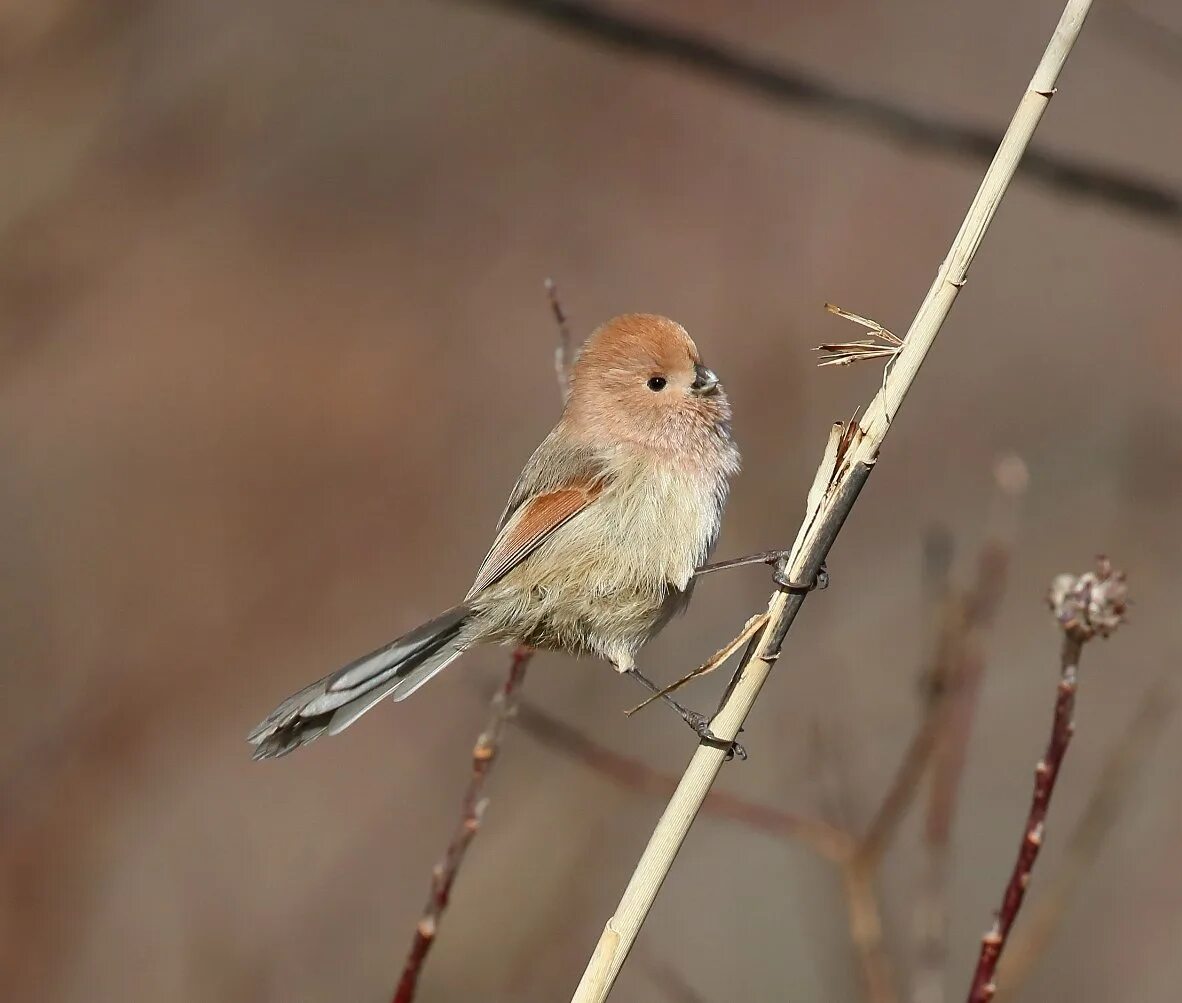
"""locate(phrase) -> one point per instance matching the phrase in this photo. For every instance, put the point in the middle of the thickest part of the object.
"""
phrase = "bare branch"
(872, 113)
(1084, 605)
(502, 706)
(1102, 810)
(484, 754)
(562, 351)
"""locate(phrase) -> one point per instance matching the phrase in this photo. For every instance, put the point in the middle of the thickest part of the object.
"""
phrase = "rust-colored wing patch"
(529, 527)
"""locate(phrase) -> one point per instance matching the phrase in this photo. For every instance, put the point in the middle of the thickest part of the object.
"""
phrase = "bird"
(600, 543)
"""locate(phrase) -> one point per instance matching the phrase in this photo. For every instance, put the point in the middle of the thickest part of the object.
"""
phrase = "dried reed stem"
(836, 488)
(1045, 775)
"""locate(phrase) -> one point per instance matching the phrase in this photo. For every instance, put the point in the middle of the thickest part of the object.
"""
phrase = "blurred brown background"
(274, 345)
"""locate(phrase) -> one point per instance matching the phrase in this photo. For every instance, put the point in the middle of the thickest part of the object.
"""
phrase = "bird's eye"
(656, 383)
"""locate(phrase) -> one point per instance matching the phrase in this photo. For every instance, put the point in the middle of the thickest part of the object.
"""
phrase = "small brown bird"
(599, 544)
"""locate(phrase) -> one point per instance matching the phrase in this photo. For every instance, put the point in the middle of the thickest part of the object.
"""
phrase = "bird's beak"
(704, 380)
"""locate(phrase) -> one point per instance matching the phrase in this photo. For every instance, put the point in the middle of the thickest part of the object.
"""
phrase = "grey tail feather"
(333, 703)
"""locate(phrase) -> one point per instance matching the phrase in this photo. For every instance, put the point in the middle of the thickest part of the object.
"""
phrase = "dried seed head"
(1092, 603)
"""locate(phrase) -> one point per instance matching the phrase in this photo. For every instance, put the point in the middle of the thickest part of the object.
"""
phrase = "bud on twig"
(1092, 603)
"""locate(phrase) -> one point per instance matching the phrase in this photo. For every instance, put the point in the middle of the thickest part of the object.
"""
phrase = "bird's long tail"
(333, 703)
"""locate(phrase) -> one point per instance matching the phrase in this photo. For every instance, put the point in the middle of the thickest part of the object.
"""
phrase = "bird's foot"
(700, 723)
(701, 726)
(780, 575)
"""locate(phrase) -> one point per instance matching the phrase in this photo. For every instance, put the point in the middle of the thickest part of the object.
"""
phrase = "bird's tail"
(333, 703)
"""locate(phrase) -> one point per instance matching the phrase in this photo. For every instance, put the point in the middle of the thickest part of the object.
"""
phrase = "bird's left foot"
(701, 725)
(780, 576)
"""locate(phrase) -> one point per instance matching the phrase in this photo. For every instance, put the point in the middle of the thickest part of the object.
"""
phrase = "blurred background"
(274, 346)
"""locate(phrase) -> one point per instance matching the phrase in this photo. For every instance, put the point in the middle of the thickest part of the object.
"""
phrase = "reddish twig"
(1099, 816)
(1045, 775)
(503, 706)
(443, 876)
(1093, 603)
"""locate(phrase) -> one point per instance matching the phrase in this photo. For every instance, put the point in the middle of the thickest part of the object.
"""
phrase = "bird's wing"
(529, 526)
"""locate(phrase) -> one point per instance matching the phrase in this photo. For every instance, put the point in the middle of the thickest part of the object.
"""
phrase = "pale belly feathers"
(659, 529)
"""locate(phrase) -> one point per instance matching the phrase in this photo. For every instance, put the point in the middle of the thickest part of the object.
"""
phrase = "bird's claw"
(701, 725)
(780, 576)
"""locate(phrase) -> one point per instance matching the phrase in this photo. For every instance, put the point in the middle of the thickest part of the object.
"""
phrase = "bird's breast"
(653, 526)
(608, 578)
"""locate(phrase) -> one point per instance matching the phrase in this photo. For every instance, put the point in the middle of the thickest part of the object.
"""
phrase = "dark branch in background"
(1087, 605)
(1144, 34)
(784, 85)
(484, 753)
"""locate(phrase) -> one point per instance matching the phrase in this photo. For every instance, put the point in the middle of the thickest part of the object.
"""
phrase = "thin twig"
(1062, 727)
(1030, 943)
(1093, 603)
(562, 351)
(791, 87)
(502, 706)
(443, 875)
(844, 470)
